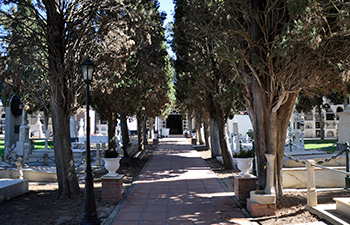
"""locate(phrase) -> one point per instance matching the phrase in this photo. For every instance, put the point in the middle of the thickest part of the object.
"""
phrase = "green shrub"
(111, 154)
(250, 134)
(244, 154)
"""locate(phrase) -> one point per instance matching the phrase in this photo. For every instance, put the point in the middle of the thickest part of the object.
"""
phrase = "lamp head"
(88, 69)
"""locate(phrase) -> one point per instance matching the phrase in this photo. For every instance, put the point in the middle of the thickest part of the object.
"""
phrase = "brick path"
(176, 187)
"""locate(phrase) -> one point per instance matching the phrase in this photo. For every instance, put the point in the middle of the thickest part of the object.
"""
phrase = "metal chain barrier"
(321, 161)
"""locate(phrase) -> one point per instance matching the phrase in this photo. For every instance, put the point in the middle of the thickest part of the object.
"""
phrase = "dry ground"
(41, 204)
(291, 209)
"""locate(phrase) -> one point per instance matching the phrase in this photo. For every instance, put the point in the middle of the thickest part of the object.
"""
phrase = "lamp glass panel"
(90, 72)
(85, 72)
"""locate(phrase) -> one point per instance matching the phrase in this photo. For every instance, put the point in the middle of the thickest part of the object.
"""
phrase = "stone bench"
(134, 152)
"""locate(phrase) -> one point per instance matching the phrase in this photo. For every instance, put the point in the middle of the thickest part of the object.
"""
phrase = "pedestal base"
(112, 188)
(242, 187)
(193, 141)
(256, 209)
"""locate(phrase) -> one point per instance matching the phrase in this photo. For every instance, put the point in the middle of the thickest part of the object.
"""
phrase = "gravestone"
(81, 132)
(235, 137)
(38, 127)
(73, 128)
(12, 122)
(22, 145)
(344, 124)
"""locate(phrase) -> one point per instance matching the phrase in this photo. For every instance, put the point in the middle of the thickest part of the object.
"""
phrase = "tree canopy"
(277, 48)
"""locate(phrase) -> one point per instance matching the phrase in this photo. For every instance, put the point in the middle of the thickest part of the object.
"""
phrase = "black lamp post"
(89, 216)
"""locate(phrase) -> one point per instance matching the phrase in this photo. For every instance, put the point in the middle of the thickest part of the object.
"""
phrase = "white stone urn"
(112, 165)
(245, 165)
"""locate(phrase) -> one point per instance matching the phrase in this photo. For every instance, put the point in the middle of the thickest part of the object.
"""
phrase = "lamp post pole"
(90, 215)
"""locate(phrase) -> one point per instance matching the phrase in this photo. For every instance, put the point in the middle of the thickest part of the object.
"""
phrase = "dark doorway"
(174, 122)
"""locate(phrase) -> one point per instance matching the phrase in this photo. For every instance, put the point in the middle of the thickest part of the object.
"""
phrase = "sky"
(168, 7)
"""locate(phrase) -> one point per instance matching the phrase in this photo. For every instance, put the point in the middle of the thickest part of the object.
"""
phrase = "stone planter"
(245, 165)
(112, 165)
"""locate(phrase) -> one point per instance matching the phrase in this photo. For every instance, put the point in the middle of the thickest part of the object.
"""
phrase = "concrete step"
(342, 205)
(10, 188)
(329, 213)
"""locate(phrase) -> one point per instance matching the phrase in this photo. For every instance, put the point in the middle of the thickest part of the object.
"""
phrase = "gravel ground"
(291, 208)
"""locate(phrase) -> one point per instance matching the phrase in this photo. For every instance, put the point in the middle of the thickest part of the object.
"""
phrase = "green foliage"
(23, 58)
(250, 134)
(111, 154)
(204, 81)
(244, 154)
(297, 7)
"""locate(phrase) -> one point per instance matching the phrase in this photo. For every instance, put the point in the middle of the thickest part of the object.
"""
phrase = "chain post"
(347, 178)
(254, 159)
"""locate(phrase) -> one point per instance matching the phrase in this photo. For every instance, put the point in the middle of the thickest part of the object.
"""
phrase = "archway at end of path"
(174, 123)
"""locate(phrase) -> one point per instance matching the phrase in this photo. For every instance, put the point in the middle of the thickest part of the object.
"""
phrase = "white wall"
(244, 124)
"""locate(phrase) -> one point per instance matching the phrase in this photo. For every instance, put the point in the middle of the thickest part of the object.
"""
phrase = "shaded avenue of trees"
(276, 49)
(60, 34)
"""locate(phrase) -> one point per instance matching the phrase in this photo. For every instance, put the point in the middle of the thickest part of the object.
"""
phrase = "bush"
(250, 134)
(244, 154)
(111, 154)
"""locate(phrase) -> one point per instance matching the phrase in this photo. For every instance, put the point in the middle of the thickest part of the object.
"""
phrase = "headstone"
(81, 132)
(98, 154)
(22, 145)
(296, 131)
(12, 122)
(236, 143)
(39, 126)
(73, 127)
(344, 124)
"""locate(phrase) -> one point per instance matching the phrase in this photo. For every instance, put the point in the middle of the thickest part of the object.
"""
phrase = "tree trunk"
(206, 133)
(189, 124)
(226, 153)
(214, 138)
(151, 130)
(46, 122)
(144, 131)
(67, 180)
(270, 125)
(139, 131)
(125, 134)
(112, 123)
(198, 130)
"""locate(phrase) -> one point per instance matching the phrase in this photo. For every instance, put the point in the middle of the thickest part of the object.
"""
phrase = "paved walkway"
(176, 187)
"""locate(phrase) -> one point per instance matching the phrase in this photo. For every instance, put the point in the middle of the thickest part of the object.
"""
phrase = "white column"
(270, 187)
(311, 186)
